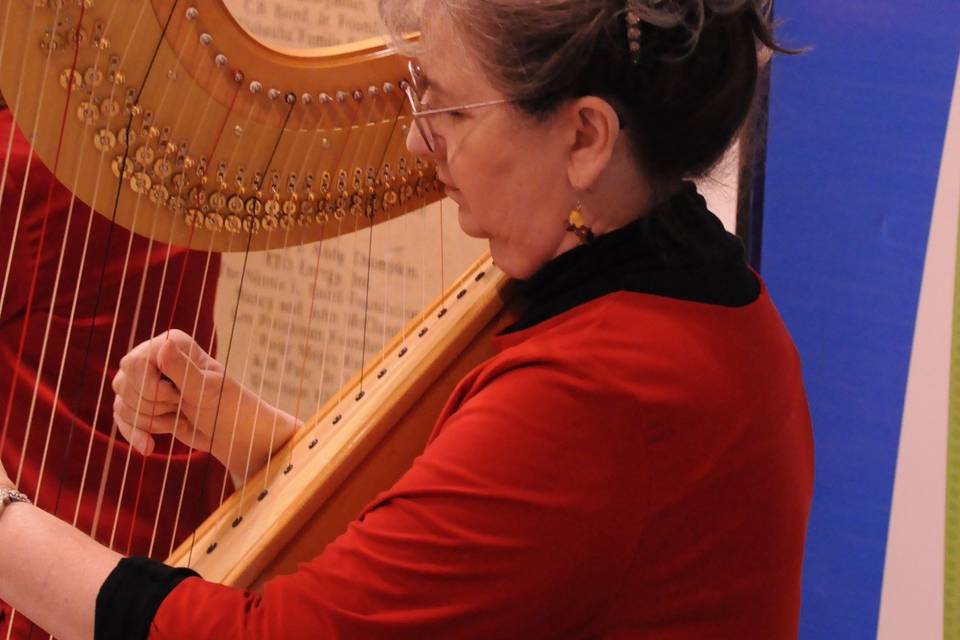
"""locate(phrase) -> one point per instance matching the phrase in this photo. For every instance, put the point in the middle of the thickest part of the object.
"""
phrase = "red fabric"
(638, 467)
(76, 404)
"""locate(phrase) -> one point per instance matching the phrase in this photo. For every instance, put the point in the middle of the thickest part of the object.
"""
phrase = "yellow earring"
(577, 225)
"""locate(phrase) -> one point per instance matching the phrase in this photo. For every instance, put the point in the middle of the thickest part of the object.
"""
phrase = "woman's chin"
(506, 261)
(468, 225)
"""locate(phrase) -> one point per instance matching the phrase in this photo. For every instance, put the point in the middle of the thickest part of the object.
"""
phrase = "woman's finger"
(153, 398)
(146, 407)
(165, 423)
(138, 430)
(138, 439)
(141, 418)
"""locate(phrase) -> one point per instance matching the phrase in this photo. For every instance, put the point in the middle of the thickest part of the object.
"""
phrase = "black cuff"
(131, 595)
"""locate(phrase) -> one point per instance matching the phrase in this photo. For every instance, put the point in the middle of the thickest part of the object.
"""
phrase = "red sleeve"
(520, 519)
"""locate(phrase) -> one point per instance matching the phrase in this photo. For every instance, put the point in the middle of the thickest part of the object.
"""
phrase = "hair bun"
(689, 18)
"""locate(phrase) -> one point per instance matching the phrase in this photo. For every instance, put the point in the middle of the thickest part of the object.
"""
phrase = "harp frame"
(112, 110)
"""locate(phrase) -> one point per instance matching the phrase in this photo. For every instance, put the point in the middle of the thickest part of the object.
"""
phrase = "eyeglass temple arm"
(465, 107)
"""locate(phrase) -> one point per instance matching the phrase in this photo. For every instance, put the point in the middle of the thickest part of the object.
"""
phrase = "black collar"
(679, 250)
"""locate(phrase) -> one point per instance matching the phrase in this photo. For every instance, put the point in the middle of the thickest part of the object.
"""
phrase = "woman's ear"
(595, 127)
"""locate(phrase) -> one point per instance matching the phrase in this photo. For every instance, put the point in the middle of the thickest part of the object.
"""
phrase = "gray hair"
(684, 102)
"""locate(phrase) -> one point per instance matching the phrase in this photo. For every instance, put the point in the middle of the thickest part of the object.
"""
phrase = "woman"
(635, 462)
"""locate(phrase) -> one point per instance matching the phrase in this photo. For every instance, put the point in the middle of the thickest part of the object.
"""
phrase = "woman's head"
(586, 119)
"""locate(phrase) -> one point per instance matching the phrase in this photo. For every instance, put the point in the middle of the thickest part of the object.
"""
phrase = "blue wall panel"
(856, 134)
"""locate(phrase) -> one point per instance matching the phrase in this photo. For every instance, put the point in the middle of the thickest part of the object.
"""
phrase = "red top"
(636, 467)
(76, 353)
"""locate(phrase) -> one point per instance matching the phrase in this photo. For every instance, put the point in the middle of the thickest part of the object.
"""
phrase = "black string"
(236, 313)
(103, 267)
(373, 213)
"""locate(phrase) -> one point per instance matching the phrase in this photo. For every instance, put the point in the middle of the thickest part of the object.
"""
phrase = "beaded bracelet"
(9, 495)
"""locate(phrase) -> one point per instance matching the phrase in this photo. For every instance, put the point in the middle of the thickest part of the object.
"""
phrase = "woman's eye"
(456, 115)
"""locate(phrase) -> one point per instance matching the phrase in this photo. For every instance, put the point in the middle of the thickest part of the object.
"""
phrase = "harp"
(174, 123)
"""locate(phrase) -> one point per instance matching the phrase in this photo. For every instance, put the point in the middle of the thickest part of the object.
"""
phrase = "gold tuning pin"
(70, 77)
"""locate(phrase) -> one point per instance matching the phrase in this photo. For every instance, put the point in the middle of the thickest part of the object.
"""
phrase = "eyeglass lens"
(414, 91)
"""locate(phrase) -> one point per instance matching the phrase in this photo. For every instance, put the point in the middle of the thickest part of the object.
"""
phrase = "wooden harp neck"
(168, 117)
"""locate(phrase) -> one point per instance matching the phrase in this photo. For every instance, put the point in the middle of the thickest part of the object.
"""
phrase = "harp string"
(338, 240)
(122, 287)
(343, 350)
(354, 237)
(87, 350)
(366, 302)
(47, 330)
(365, 122)
(442, 274)
(88, 346)
(153, 329)
(169, 456)
(196, 321)
(96, 414)
(191, 445)
(209, 347)
(179, 288)
(265, 172)
(183, 486)
(306, 348)
(384, 315)
(303, 169)
(307, 335)
(6, 168)
(50, 316)
(393, 117)
(363, 178)
(42, 238)
(233, 428)
(9, 153)
(323, 438)
(206, 466)
(246, 362)
(384, 318)
(172, 314)
(289, 335)
(152, 332)
(13, 241)
(403, 288)
(327, 320)
(338, 243)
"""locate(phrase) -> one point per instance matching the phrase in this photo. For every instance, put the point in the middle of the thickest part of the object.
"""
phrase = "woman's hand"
(170, 385)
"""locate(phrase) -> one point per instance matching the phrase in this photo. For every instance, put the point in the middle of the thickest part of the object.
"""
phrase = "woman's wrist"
(276, 429)
(271, 430)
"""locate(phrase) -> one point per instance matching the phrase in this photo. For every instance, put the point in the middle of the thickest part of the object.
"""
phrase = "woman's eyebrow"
(433, 86)
(438, 90)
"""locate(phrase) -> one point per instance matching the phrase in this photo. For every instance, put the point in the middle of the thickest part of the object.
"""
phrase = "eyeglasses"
(415, 89)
